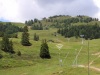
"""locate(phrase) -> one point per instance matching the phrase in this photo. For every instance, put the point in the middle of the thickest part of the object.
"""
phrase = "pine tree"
(25, 37)
(19, 53)
(11, 47)
(41, 27)
(25, 29)
(44, 50)
(1, 56)
(26, 22)
(59, 31)
(36, 37)
(6, 45)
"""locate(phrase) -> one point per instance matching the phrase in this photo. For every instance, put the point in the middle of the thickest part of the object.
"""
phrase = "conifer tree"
(11, 47)
(25, 37)
(19, 53)
(36, 37)
(25, 29)
(1, 56)
(6, 45)
(44, 50)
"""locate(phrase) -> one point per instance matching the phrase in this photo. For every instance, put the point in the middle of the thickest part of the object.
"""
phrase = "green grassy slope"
(31, 64)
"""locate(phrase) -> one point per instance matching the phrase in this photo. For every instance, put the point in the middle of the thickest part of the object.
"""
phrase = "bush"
(36, 37)
(19, 53)
(1, 56)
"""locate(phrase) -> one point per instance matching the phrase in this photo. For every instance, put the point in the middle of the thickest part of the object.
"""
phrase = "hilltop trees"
(44, 50)
(29, 23)
(37, 27)
(25, 37)
(6, 45)
(89, 31)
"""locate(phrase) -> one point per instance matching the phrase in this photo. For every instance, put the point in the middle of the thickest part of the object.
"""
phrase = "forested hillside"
(69, 26)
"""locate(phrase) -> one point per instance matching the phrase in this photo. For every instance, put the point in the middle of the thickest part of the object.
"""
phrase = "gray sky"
(21, 10)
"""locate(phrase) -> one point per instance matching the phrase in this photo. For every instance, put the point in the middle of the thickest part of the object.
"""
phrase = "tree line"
(58, 21)
(35, 24)
(89, 31)
(9, 29)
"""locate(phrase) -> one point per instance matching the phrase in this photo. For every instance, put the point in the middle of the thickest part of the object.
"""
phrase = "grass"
(31, 64)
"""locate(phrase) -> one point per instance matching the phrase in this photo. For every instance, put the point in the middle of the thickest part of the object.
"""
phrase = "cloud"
(48, 2)
(21, 10)
(9, 10)
(29, 9)
(69, 7)
(97, 3)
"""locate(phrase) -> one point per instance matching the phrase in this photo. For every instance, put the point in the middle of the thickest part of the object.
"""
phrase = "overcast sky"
(21, 10)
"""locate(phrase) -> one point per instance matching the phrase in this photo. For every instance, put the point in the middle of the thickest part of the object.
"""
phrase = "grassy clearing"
(31, 64)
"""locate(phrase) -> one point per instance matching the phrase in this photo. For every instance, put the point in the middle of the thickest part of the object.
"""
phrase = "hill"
(62, 19)
(69, 26)
(71, 59)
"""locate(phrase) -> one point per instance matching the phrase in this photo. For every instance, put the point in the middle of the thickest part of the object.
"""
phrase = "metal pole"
(88, 59)
(76, 61)
(59, 56)
(76, 57)
(82, 40)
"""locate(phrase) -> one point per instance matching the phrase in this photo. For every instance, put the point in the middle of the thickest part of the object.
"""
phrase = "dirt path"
(24, 73)
(98, 54)
(91, 67)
